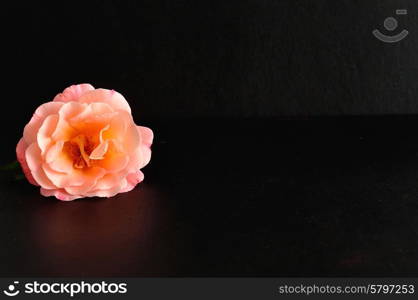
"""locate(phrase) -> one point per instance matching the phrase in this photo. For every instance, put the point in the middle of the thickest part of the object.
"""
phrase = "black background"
(215, 58)
(272, 156)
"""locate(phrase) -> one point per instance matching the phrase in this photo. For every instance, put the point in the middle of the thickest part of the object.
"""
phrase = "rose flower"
(84, 144)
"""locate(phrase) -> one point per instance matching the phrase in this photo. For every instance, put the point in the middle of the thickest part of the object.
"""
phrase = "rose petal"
(34, 159)
(31, 129)
(146, 156)
(54, 151)
(91, 176)
(131, 140)
(64, 131)
(45, 132)
(109, 192)
(93, 119)
(92, 110)
(62, 180)
(72, 109)
(57, 160)
(133, 179)
(20, 153)
(73, 93)
(62, 164)
(113, 98)
(60, 194)
(147, 135)
(99, 151)
(102, 131)
(109, 181)
(114, 162)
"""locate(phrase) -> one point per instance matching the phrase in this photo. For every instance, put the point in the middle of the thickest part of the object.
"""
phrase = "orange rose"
(84, 144)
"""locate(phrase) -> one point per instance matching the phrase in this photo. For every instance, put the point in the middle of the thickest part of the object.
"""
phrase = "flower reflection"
(97, 237)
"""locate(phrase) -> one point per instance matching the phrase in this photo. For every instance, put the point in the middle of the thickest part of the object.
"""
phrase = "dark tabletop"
(318, 197)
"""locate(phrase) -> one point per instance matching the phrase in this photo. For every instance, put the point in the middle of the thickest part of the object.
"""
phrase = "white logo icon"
(12, 291)
(391, 24)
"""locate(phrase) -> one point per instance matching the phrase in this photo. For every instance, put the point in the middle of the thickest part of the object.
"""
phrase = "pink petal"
(62, 180)
(33, 157)
(116, 163)
(108, 181)
(147, 135)
(71, 109)
(95, 117)
(54, 151)
(45, 131)
(31, 129)
(131, 140)
(58, 161)
(119, 124)
(62, 164)
(133, 179)
(115, 160)
(139, 159)
(101, 139)
(60, 194)
(34, 161)
(99, 151)
(63, 131)
(91, 176)
(109, 192)
(20, 153)
(93, 110)
(146, 156)
(47, 109)
(113, 98)
(73, 93)
(115, 128)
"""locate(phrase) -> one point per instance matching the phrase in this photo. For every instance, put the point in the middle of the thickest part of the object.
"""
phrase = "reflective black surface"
(319, 197)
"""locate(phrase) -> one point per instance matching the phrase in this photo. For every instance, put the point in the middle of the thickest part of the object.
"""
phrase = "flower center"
(79, 149)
